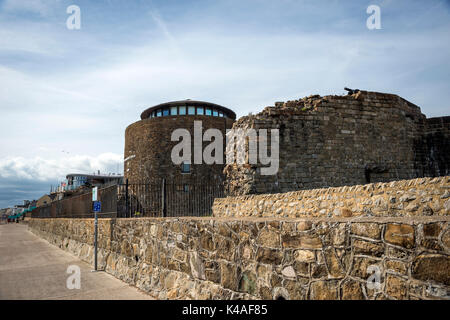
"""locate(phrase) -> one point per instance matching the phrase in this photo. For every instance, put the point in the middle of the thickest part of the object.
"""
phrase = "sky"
(66, 96)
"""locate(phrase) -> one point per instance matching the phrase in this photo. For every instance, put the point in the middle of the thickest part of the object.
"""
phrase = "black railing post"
(116, 200)
(163, 198)
(127, 204)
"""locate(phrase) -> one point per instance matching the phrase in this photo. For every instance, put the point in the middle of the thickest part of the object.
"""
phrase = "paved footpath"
(31, 268)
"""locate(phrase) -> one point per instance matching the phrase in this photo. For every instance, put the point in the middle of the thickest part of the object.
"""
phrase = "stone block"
(431, 230)
(361, 265)
(368, 248)
(396, 287)
(226, 249)
(446, 238)
(305, 241)
(269, 238)
(400, 234)
(319, 271)
(432, 267)
(369, 230)
(335, 269)
(269, 256)
(351, 290)
(288, 272)
(324, 290)
(296, 289)
(396, 266)
(247, 283)
(304, 255)
(196, 265)
(229, 276)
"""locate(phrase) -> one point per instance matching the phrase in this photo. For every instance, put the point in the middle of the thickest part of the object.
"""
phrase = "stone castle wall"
(315, 256)
(335, 141)
(436, 142)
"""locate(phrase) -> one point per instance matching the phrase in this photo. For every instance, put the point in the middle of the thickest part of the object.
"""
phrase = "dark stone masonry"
(335, 141)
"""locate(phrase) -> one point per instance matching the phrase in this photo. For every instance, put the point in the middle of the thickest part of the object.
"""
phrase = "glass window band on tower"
(188, 108)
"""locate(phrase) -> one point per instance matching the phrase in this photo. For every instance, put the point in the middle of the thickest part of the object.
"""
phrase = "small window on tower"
(185, 167)
(200, 110)
(191, 110)
(173, 111)
(182, 110)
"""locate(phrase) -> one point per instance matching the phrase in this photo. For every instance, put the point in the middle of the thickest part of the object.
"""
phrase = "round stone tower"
(148, 144)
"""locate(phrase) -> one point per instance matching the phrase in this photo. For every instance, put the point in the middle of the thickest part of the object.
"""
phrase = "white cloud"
(20, 39)
(86, 107)
(41, 169)
(41, 7)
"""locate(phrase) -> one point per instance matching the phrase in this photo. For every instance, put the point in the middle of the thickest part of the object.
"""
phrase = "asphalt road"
(33, 269)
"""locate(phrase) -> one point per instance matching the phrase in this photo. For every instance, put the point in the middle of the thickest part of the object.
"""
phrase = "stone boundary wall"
(266, 258)
(417, 197)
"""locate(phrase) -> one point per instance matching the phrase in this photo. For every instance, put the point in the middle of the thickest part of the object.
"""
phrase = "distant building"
(19, 210)
(77, 180)
(45, 200)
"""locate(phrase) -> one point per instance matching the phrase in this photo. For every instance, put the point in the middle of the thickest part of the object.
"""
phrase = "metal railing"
(158, 198)
(80, 206)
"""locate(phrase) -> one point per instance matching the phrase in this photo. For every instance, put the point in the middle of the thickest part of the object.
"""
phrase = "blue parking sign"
(97, 206)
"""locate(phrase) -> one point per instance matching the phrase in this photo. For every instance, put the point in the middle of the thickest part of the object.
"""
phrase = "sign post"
(96, 208)
(94, 194)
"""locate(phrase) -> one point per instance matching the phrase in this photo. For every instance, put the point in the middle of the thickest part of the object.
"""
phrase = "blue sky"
(66, 96)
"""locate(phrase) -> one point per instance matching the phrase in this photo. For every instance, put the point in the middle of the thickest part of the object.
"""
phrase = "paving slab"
(33, 269)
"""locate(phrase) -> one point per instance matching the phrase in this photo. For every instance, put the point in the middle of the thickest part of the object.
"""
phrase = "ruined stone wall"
(437, 146)
(334, 141)
(312, 257)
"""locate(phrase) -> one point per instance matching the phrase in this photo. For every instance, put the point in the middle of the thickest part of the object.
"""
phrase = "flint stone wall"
(313, 257)
(416, 197)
